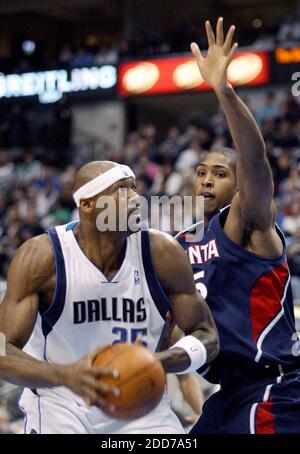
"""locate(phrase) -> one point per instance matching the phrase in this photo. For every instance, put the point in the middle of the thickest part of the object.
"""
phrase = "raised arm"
(30, 272)
(190, 311)
(254, 177)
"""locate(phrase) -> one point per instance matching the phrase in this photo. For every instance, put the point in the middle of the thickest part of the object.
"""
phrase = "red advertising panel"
(179, 74)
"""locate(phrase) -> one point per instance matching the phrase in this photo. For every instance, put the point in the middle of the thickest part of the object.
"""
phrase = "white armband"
(196, 351)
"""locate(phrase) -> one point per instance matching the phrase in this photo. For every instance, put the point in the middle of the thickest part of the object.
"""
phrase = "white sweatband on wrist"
(196, 351)
(102, 182)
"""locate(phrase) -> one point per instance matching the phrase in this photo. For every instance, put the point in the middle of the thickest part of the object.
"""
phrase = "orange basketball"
(141, 381)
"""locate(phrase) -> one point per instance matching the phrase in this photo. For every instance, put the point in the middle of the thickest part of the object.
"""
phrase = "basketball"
(141, 381)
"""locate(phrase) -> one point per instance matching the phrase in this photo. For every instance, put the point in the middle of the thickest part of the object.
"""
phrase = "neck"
(209, 216)
(104, 249)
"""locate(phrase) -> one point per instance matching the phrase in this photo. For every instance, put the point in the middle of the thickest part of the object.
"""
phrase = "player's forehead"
(215, 160)
(90, 171)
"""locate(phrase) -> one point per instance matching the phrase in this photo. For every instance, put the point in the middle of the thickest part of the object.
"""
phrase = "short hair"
(229, 153)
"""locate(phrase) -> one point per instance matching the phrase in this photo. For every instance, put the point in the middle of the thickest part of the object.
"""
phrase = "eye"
(200, 173)
(221, 174)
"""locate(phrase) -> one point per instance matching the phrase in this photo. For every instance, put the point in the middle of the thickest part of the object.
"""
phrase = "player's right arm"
(30, 272)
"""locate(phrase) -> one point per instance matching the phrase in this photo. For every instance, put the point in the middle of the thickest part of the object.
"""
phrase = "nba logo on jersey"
(136, 277)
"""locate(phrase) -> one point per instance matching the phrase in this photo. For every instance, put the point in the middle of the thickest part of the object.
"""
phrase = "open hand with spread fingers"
(220, 53)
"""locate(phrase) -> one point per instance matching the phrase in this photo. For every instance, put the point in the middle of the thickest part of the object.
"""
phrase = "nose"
(134, 200)
(207, 181)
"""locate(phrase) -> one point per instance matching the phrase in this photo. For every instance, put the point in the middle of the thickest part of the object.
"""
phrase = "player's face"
(215, 181)
(120, 205)
(129, 201)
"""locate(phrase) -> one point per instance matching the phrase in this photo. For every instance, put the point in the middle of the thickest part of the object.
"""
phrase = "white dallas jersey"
(89, 311)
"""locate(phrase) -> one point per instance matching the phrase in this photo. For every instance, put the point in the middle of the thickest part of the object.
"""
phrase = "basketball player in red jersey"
(77, 288)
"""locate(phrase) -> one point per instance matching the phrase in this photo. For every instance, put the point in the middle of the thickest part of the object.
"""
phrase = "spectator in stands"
(291, 222)
(282, 167)
(290, 188)
(191, 155)
(7, 175)
(81, 58)
(285, 137)
(106, 55)
(65, 56)
(168, 181)
(289, 31)
(30, 169)
(269, 111)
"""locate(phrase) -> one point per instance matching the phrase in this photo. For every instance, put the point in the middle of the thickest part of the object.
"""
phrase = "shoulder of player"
(182, 236)
(163, 242)
(35, 259)
(238, 216)
(38, 246)
(171, 263)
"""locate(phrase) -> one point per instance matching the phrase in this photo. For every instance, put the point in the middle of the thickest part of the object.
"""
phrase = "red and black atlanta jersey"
(251, 301)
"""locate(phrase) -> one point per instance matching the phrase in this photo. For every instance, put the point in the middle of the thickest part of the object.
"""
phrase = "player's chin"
(212, 208)
(211, 205)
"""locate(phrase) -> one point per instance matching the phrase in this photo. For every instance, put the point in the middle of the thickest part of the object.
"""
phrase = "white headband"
(102, 182)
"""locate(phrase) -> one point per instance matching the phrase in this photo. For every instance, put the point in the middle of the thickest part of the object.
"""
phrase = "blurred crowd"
(99, 50)
(36, 192)
(45, 128)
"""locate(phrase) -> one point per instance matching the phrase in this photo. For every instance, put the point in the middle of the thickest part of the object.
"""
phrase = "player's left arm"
(254, 202)
(189, 310)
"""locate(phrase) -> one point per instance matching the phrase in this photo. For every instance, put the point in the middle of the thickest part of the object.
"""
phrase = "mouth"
(207, 195)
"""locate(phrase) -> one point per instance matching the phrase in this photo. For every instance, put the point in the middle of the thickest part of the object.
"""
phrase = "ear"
(86, 205)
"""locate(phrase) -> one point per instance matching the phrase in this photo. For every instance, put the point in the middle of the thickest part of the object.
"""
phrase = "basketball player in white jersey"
(76, 289)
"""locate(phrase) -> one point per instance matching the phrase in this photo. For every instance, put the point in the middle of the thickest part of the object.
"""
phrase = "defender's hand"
(220, 53)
